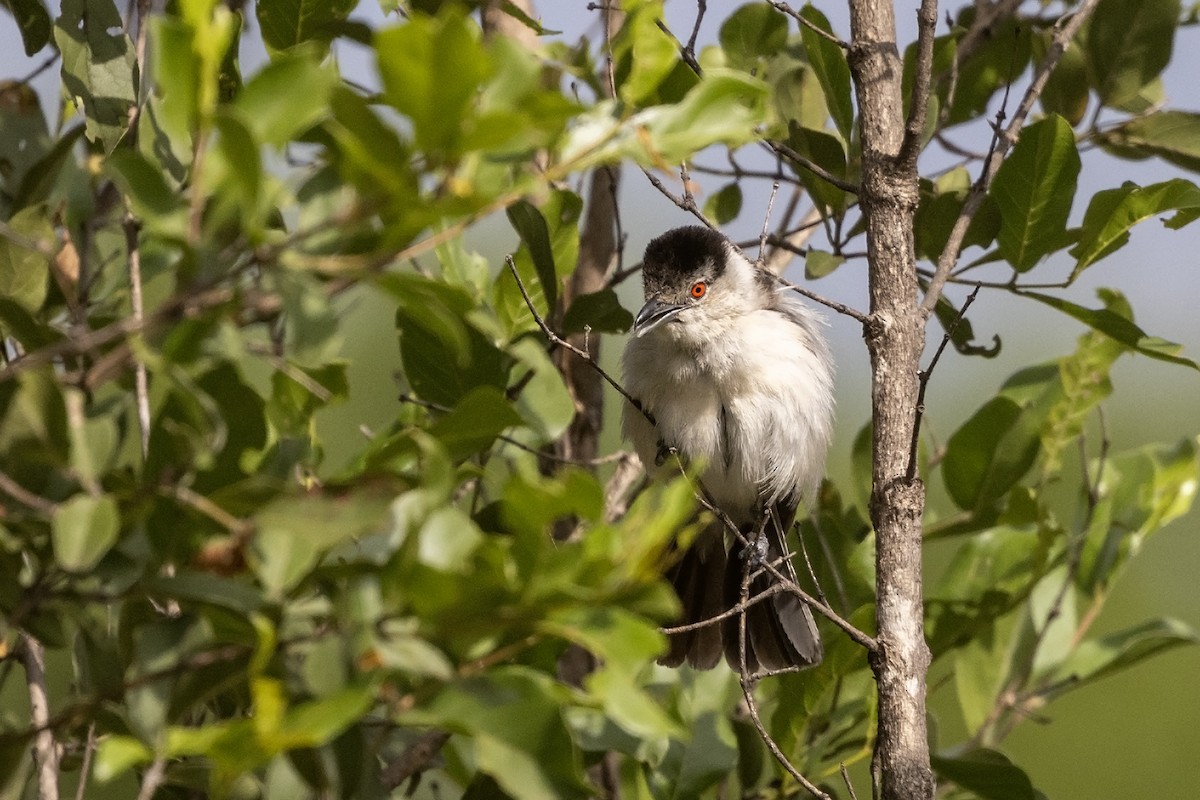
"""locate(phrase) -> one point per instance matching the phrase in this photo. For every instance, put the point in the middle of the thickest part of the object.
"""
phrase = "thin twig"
(813, 167)
(1003, 139)
(740, 608)
(85, 768)
(140, 379)
(703, 498)
(25, 497)
(766, 227)
(747, 684)
(240, 528)
(557, 340)
(791, 12)
(835, 305)
(924, 377)
(846, 779)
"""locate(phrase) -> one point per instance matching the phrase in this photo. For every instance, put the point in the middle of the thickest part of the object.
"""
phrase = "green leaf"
(646, 55)
(83, 529)
(825, 150)
(725, 204)
(1002, 55)
(990, 453)
(1066, 91)
(287, 23)
(1171, 135)
(432, 69)
(531, 226)
(115, 755)
(829, 63)
(600, 311)
(545, 404)
(987, 773)
(1034, 189)
(289, 95)
(24, 143)
(443, 356)
(1111, 214)
(33, 20)
(204, 588)
(1140, 493)
(98, 67)
(724, 107)
(941, 203)
(818, 264)
(24, 273)
(1099, 658)
(512, 716)
(292, 534)
(1128, 44)
(152, 198)
(482, 415)
(752, 31)
(1119, 328)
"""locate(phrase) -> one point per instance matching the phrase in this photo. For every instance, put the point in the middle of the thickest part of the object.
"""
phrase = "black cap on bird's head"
(676, 271)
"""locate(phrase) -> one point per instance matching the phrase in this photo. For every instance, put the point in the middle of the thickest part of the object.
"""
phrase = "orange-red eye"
(698, 289)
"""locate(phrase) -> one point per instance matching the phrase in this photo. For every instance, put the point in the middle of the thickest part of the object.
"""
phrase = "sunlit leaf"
(24, 271)
(1119, 328)
(828, 61)
(98, 66)
(1171, 135)
(1111, 214)
(1099, 658)
(1034, 190)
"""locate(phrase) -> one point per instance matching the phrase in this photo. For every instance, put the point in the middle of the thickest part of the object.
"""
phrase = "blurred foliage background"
(294, 578)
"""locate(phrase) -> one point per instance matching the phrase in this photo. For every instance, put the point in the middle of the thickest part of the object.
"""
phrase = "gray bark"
(895, 336)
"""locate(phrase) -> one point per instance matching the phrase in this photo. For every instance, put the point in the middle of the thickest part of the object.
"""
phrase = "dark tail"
(780, 631)
(698, 577)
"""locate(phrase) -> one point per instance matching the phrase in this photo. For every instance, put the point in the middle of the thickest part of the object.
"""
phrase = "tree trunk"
(895, 338)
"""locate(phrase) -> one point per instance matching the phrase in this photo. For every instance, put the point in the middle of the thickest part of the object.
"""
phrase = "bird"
(732, 373)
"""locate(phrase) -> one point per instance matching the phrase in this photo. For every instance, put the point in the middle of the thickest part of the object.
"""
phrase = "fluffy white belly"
(759, 420)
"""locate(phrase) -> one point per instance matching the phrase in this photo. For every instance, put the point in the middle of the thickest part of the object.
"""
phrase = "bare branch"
(747, 683)
(791, 12)
(140, 379)
(835, 305)
(816, 169)
(45, 750)
(153, 778)
(926, 374)
(914, 129)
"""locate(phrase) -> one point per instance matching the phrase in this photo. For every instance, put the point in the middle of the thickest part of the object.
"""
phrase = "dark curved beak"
(653, 314)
